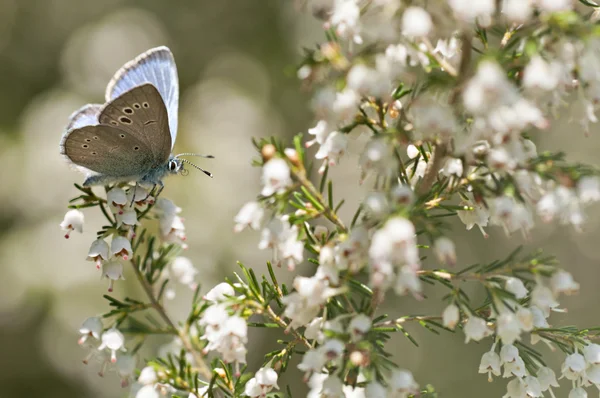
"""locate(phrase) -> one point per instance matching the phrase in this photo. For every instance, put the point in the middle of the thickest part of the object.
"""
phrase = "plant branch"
(328, 212)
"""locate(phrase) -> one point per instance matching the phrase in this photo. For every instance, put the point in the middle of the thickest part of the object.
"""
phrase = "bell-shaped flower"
(121, 247)
(112, 270)
(117, 199)
(113, 341)
(98, 252)
(91, 327)
(73, 221)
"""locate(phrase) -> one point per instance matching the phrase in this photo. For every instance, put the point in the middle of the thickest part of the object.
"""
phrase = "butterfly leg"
(133, 197)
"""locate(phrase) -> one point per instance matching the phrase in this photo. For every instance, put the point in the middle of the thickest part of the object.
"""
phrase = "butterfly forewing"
(141, 113)
(107, 150)
(155, 66)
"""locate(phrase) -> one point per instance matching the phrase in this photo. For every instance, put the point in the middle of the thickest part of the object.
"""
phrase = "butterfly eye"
(172, 166)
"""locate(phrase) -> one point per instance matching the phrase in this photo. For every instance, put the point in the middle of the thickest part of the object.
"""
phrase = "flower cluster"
(448, 97)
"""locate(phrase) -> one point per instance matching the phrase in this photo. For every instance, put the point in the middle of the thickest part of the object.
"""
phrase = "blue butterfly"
(130, 137)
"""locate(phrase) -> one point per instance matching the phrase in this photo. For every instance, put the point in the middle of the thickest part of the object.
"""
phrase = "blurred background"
(235, 62)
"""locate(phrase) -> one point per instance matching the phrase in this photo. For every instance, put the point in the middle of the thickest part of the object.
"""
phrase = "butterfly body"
(130, 137)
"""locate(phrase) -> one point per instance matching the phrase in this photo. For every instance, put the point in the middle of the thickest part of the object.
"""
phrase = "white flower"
(588, 189)
(516, 287)
(546, 378)
(359, 326)
(91, 327)
(408, 281)
(532, 386)
(147, 391)
(591, 352)
(147, 376)
(508, 327)
(515, 389)
(332, 150)
(312, 361)
(402, 195)
(539, 74)
(351, 253)
(562, 282)
(453, 167)
(127, 217)
(480, 11)
(518, 11)
(98, 252)
(184, 272)
(416, 22)
(489, 88)
(112, 270)
(508, 353)
(450, 316)
(250, 215)
(515, 368)
(114, 341)
(275, 177)
(345, 17)
(116, 199)
(73, 221)
(574, 366)
(121, 247)
(555, 5)
(476, 329)
(346, 104)
(303, 305)
(320, 131)
(313, 329)
(543, 298)
(332, 388)
(402, 382)
(375, 390)
(445, 250)
(395, 242)
(263, 381)
(232, 339)
(479, 216)
(376, 205)
(125, 368)
(219, 292)
(290, 246)
(578, 392)
(490, 364)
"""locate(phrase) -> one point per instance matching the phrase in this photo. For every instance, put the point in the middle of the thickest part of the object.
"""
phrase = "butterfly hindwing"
(157, 67)
(141, 113)
(107, 150)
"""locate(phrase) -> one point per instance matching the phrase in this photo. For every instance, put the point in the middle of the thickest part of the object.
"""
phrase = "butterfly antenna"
(208, 173)
(195, 154)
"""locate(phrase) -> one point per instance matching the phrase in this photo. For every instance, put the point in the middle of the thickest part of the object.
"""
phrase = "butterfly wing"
(142, 114)
(87, 115)
(107, 150)
(155, 66)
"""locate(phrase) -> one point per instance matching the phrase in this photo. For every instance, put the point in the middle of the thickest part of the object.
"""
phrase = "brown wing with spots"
(107, 150)
(141, 113)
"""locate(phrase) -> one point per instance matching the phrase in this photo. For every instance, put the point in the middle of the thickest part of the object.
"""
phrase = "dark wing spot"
(128, 111)
(95, 137)
(114, 123)
(125, 120)
(136, 148)
(122, 135)
(85, 146)
(149, 122)
(146, 105)
(94, 153)
(136, 106)
(87, 140)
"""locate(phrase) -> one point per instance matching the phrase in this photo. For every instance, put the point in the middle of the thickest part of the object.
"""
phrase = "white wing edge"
(87, 115)
(162, 52)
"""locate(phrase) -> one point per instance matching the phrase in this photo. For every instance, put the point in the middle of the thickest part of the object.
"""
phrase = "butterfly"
(130, 137)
